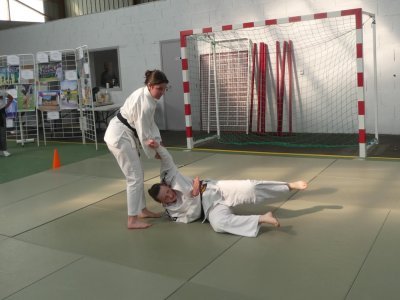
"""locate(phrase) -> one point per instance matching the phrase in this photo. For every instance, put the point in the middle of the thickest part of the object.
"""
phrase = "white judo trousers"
(235, 192)
(128, 159)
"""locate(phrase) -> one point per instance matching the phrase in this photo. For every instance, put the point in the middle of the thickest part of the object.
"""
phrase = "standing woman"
(135, 124)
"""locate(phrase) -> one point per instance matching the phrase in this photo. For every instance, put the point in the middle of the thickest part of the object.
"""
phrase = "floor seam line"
(368, 254)
(46, 276)
(204, 267)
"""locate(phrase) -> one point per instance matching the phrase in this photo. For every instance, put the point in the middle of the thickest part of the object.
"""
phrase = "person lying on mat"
(186, 200)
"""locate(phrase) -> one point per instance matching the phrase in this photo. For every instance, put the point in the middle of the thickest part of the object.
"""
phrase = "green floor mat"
(30, 159)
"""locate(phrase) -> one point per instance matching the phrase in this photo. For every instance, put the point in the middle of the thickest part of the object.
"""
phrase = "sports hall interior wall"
(138, 30)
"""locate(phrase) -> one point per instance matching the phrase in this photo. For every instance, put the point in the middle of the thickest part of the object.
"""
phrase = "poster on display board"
(13, 74)
(71, 75)
(50, 72)
(49, 100)
(42, 57)
(12, 60)
(11, 110)
(86, 92)
(55, 55)
(9, 75)
(26, 99)
(3, 75)
(69, 94)
(27, 75)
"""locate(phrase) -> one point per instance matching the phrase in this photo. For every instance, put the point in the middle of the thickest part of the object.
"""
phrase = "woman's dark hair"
(154, 190)
(155, 77)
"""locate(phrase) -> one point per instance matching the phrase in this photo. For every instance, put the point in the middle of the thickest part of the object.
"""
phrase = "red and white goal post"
(296, 81)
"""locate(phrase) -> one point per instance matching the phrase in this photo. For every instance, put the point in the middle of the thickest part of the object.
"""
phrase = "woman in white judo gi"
(185, 199)
(135, 124)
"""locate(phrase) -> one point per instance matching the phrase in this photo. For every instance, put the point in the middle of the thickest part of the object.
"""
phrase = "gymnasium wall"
(138, 30)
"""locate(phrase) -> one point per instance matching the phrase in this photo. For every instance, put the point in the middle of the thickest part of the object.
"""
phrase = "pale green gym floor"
(63, 234)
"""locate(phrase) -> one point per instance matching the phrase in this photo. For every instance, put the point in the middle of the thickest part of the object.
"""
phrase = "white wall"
(137, 31)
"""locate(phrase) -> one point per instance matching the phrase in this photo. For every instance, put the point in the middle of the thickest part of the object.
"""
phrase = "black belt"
(125, 122)
(203, 187)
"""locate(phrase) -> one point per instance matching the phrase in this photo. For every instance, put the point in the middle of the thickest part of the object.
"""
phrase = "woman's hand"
(152, 144)
(196, 187)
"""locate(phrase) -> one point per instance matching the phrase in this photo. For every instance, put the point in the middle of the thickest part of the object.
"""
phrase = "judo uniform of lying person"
(185, 199)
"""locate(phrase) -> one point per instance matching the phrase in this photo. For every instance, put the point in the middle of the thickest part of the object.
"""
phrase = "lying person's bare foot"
(149, 214)
(134, 223)
(269, 218)
(298, 185)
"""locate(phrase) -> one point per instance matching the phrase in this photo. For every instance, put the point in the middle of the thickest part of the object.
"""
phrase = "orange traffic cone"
(56, 160)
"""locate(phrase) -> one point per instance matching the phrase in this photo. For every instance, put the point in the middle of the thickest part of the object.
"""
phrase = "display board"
(64, 95)
(17, 78)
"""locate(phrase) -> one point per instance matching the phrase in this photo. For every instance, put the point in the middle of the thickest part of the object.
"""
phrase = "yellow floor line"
(284, 154)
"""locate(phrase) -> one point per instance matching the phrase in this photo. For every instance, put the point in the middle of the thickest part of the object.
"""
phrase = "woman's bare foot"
(149, 214)
(298, 185)
(269, 218)
(135, 223)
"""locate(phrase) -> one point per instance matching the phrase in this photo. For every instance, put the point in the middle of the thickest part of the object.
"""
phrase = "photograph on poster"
(11, 110)
(48, 100)
(25, 98)
(69, 94)
(3, 76)
(50, 72)
(13, 74)
(9, 75)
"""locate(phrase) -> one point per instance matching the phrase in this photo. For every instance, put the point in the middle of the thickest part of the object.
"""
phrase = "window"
(22, 10)
(105, 68)
(83, 7)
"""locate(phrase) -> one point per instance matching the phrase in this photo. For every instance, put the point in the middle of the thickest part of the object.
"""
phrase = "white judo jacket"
(138, 110)
(187, 208)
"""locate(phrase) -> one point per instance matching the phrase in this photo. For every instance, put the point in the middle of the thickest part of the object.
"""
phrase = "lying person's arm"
(167, 162)
(196, 187)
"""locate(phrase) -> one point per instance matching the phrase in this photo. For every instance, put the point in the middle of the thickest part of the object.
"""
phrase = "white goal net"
(288, 82)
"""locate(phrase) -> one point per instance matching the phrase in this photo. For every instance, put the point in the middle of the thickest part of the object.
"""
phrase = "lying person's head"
(162, 193)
